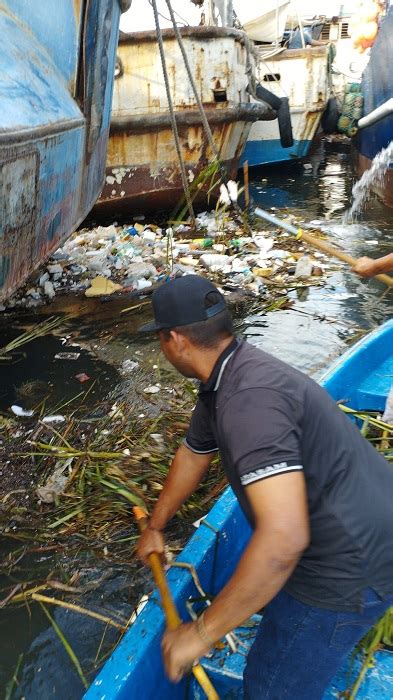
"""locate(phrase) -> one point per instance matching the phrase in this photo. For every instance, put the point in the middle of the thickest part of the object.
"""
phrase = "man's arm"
(184, 476)
(367, 267)
(281, 535)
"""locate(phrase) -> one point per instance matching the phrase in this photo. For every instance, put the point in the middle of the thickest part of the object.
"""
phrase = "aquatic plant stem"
(68, 648)
(77, 608)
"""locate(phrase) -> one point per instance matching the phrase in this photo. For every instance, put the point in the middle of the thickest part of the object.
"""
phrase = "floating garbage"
(56, 483)
(82, 377)
(388, 412)
(133, 258)
(100, 286)
(128, 366)
(67, 355)
(303, 267)
(153, 389)
(53, 419)
(21, 412)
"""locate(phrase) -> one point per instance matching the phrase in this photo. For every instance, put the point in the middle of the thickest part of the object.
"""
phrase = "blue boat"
(56, 78)
(362, 377)
(302, 75)
(377, 89)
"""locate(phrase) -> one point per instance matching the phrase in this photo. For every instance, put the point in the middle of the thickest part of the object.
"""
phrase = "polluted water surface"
(130, 403)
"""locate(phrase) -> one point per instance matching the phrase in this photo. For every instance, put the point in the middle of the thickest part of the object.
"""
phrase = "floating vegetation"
(38, 331)
(93, 469)
(75, 519)
(67, 646)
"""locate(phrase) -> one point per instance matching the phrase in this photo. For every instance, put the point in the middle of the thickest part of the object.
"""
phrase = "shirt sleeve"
(262, 434)
(200, 438)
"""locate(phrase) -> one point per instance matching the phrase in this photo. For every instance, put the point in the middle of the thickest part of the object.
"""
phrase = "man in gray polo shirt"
(316, 493)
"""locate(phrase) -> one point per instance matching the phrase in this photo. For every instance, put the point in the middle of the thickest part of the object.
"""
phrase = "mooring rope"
(205, 123)
(172, 114)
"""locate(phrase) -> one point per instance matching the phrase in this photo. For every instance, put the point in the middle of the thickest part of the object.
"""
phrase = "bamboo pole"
(246, 187)
(317, 243)
(172, 616)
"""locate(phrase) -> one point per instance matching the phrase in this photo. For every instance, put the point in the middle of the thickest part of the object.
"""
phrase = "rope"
(172, 114)
(205, 123)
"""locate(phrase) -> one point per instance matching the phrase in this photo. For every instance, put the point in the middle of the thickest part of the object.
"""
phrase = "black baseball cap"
(182, 301)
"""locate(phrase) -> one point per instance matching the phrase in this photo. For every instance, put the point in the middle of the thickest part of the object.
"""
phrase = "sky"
(140, 15)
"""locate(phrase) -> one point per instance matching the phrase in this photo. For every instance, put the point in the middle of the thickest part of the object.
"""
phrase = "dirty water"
(309, 335)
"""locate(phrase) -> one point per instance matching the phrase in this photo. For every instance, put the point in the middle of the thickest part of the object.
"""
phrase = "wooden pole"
(316, 242)
(172, 616)
(246, 188)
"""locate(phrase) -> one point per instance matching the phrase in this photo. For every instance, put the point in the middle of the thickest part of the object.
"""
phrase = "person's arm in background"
(367, 267)
(185, 474)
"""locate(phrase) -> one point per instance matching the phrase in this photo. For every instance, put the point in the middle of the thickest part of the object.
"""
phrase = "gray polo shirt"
(266, 419)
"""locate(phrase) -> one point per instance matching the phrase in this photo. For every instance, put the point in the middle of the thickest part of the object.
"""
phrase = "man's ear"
(180, 341)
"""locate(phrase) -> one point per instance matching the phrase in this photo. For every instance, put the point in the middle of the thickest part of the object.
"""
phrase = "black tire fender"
(266, 96)
(281, 106)
(330, 116)
(284, 123)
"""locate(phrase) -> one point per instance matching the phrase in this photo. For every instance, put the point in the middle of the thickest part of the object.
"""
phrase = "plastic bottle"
(203, 242)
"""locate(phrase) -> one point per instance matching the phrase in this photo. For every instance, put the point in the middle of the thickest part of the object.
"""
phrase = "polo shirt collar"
(213, 382)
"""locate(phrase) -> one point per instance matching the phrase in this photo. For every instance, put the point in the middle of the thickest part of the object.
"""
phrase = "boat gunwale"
(354, 352)
(314, 51)
(42, 131)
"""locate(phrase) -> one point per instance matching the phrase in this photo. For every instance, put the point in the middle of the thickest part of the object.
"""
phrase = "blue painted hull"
(56, 80)
(135, 670)
(270, 151)
(377, 88)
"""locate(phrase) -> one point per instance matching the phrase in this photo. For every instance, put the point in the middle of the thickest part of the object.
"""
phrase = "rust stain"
(77, 5)
(141, 139)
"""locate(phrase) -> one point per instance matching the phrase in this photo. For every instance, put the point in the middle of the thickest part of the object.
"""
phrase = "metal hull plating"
(302, 76)
(135, 670)
(377, 87)
(55, 95)
(142, 166)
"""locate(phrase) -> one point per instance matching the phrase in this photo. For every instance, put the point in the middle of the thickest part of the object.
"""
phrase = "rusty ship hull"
(55, 93)
(143, 173)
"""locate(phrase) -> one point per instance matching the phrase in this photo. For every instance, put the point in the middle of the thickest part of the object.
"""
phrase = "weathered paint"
(54, 126)
(142, 166)
(302, 76)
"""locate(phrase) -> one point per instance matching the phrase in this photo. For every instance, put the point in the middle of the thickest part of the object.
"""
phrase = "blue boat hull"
(362, 376)
(56, 80)
(270, 151)
(377, 88)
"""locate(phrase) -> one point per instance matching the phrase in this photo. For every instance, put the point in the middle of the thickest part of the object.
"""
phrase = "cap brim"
(149, 327)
